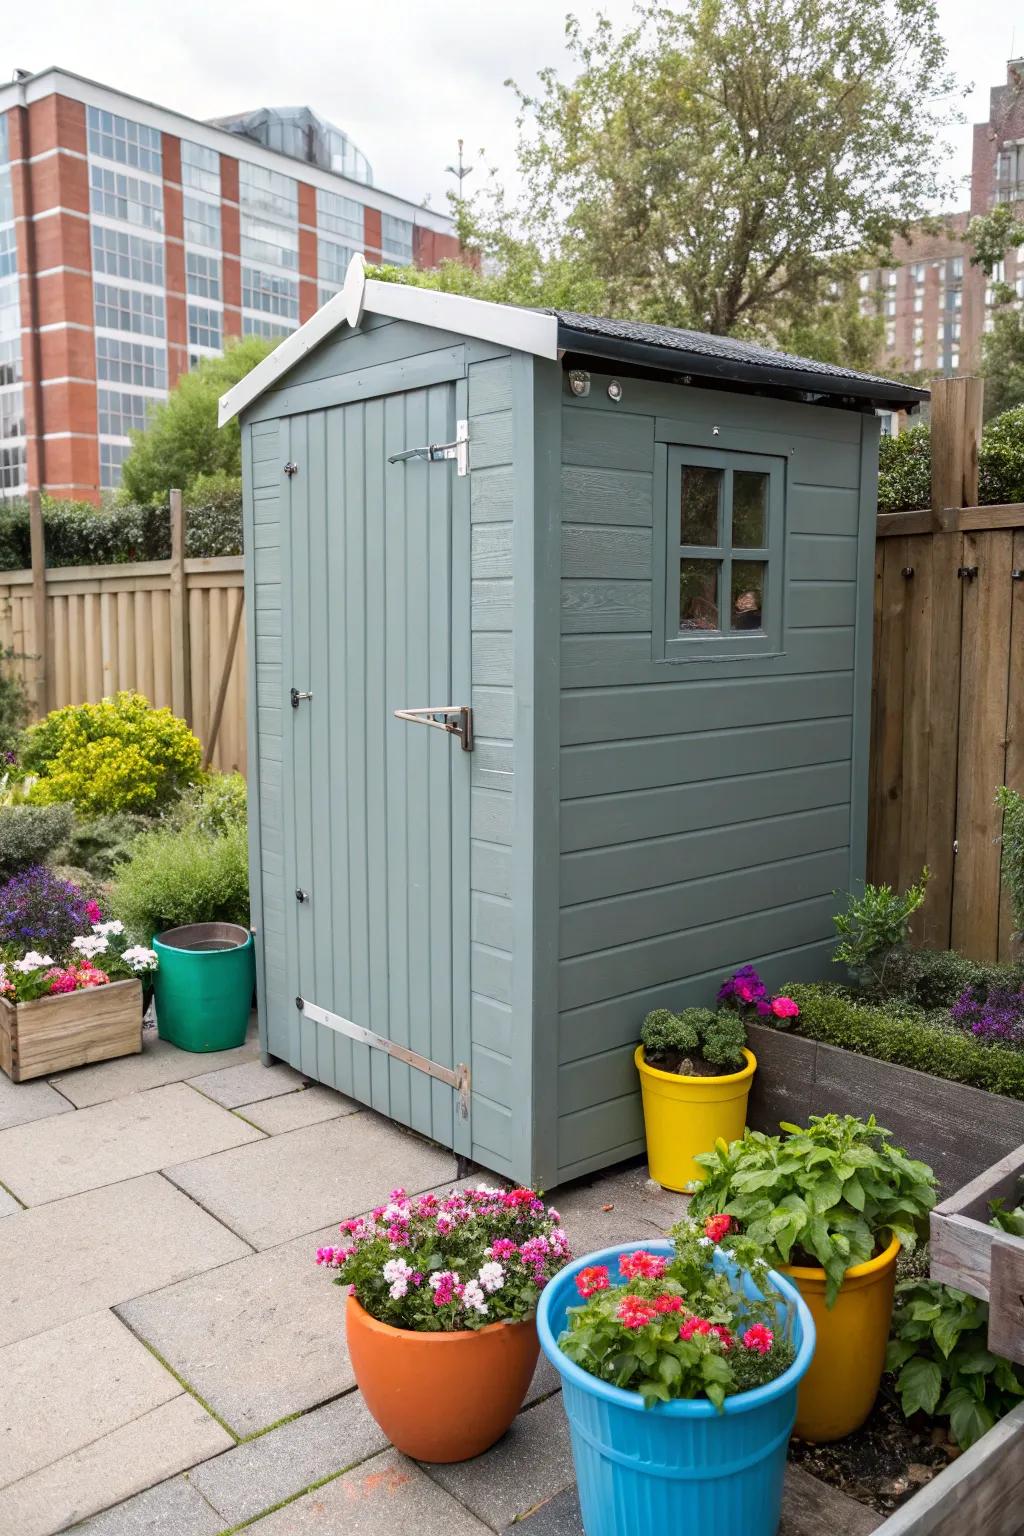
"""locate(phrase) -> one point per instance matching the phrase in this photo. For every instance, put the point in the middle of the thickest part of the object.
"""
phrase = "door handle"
(456, 719)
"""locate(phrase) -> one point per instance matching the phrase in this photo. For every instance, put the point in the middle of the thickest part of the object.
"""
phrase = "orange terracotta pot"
(441, 1396)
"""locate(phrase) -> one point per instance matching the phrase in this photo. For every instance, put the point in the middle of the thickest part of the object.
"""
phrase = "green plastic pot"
(204, 985)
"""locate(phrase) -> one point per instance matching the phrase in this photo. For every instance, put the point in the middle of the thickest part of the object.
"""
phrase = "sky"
(405, 79)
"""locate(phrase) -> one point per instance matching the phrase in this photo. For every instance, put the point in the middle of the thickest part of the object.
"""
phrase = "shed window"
(723, 553)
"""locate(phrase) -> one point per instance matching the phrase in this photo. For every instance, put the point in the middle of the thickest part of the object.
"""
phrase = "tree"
(718, 165)
(1002, 348)
(182, 444)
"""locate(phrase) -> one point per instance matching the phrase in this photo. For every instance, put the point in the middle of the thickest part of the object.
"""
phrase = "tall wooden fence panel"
(110, 627)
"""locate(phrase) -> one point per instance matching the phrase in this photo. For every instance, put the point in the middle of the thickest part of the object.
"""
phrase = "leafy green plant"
(94, 845)
(935, 978)
(942, 1363)
(874, 926)
(673, 1041)
(29, 833)
(905, 470)
(830, 1194)
(118, 755)
(216, 802)
(1011, 1221)
(723, 1040)
(176, 875)
(1011, 803)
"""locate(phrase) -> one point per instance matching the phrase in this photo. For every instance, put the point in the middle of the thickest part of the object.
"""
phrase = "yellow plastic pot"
(686, 1115)
(841, 1385)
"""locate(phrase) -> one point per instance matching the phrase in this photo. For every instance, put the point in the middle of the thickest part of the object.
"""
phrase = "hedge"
(832, 1017)
(77, 533)
(905, 471)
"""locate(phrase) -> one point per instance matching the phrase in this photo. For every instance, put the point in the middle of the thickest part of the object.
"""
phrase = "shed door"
(379, 918)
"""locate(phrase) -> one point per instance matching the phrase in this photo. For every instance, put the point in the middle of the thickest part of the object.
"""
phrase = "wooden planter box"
(52, 1033)
(968, 1253)
(980, 1491)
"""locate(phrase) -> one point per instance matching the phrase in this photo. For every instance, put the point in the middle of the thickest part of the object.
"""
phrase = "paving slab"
(173, 1508)
(262, 1472)
(284, 1185)
(63, 1389)
(383, 1496)
(130, 1458)
(67, 1154)
(8, 1205)
(559, 1516)
(247, 1083)
(257, 1339)
(159, 1063)
(531, 1463)
(292, 1111)
(22, 1102)
(614, 1208)
(125, 1239)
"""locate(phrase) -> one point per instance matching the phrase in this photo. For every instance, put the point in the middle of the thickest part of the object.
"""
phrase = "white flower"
(140, 958)
(89, 944)
(485, 1189)
(491, 1277)
(473, 1296)
(396, 1272)
(395, 1213)
(33, 961)
(705, 1242)
(103, 929)
(442, 1275)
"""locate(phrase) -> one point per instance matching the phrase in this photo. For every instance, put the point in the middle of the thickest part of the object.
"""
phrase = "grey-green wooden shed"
(636, 564)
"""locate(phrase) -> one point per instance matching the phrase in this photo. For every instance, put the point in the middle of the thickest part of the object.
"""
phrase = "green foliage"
(1002, 347)
(1005, 1219)
(182, 441)
(874, 926)
(77, 533)
(895, 1033)
(175, 875)
(1001, 458)
(719, 1037)
(13, 702)
(95, 844)
(664, 1032)
(904, 464)
(218, 801)
(1011, 803)
(942, 1364)
(905, 470)
(830, 1194)
(935, 978)
(723, 1040)
(30, 833)
(118, 755)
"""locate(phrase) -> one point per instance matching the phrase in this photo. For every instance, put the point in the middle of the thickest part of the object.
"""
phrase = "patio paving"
(23, 1102)
(292, 1111)
(159, 1063)
(245, 1084)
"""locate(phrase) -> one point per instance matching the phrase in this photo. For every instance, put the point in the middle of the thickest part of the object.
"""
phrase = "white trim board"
(522, 330)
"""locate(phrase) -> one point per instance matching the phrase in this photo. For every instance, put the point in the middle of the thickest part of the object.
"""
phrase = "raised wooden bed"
(970, 1254)
(959, 1131)
(52, 1033)
(982, 1491)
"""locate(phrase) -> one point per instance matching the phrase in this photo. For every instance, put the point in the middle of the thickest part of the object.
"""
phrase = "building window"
(202, 275)
(118, 254)
(722, 536)
(112, 456)
(918, 303)
(919, 330)
(202, 222)
(12, 413)
(131, 362)
(8, 252)
(277, 295)
(954, 359)
(200, 168)
(337, 215)
(891, 277)
(955, 269)
(325, 294)
(13, 468)
(918, 358)
(396, 240)
(269, 328)
(121, 412)
(890, 335)
(890, 308)
(204, 327)
(126, 197)
(268, 243)
(10, 359)
(917, 273)
(332, 261)
(268, 191)
(118, 138)
(1009, 170)
(126, 309)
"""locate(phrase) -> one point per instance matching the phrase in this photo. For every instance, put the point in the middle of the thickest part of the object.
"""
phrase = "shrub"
(1012, 858)
(28, 833)
(176, 875)
(1001, 459)
(96, 844)
(724, 1039)
(935, 978)
(216, 802)
(38, 910)
(13, 703)
(665, 1033)
(118, 755)
(905, 470)
(670, 1039)
(78, 533)
(874, 926)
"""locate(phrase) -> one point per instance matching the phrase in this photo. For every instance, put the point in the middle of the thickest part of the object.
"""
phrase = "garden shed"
(559, 632)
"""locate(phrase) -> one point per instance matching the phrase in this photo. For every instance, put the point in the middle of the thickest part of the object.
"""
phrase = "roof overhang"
(522, 330)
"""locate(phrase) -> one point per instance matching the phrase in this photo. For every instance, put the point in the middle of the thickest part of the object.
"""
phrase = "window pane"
(749, 509)
(700, 499)
(698, 594)
(747, 602)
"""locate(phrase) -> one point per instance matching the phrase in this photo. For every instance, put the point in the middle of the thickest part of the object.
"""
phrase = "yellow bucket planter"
(840, 1388)
(687, 1115)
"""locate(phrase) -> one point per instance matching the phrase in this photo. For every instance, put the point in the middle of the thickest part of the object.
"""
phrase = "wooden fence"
(172, 629)
(948, 714)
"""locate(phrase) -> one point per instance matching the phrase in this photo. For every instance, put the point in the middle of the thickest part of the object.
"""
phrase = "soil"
(687, 1066)
(888, 1459)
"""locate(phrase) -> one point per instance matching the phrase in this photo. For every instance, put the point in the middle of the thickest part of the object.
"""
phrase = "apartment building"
(134, 240)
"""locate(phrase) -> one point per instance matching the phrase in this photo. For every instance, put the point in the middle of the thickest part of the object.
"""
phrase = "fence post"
(37, 538)
(955, 435)
(181, 657)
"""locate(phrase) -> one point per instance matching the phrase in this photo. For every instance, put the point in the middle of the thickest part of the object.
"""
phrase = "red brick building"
(134, 240)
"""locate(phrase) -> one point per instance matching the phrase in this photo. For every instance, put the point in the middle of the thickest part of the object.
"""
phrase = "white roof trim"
(522, 330)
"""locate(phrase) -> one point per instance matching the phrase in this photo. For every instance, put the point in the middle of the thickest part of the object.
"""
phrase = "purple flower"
(996, 1018)
(42, 911)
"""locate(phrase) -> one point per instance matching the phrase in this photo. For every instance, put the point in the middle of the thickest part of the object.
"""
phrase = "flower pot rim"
(201, 954)
(685, 1077)
(439, 1336)
(680, 1408)
(866, 1271)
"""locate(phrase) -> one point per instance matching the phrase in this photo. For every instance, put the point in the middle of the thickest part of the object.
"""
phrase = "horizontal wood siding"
(705, 806)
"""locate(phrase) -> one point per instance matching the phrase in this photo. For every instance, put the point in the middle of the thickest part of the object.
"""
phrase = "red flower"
(668, 1303)
(650, 1266)
(635, 1312)
(723, 1334)
(593, 1278)
(694, 1325)
(759, 1337)
(518, 1197)
(717, 1227)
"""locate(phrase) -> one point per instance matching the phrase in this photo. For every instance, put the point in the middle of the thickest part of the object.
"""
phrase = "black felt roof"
(722, 357)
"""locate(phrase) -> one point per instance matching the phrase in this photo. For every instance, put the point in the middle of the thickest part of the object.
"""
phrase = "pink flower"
(61, 981)
(694, 1325)
(717, 1227)
(593, 1278)
(723, 1334)
(90, 976)
(667, 1303)
(635, 1312)
(504, 1248)
(92, 912)
(784, 1008)
(759, 1337)
(648, 1265)
(535, 1250)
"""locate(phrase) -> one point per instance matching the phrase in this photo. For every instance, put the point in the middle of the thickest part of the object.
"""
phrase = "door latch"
(297, 697)
(434, 452)
(456, 719)
(301, 896)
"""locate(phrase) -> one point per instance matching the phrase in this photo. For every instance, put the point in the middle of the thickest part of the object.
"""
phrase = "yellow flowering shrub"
(118, 755)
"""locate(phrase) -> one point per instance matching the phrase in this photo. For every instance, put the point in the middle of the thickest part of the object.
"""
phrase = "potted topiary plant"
(831, 1204)
(440, 1313)
(680, 1365)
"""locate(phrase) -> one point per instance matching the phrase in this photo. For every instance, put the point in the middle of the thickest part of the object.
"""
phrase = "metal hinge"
(456, 719)
(297, 696)
(434, 452)
(457, 1077)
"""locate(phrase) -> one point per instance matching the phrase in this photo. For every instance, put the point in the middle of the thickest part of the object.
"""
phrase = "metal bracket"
(457, 1077)
(297, 696)
(456, 719)
(435, 452)
(967, 572)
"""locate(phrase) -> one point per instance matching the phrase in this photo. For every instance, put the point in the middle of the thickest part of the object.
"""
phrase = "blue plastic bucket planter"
(679, 1468)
